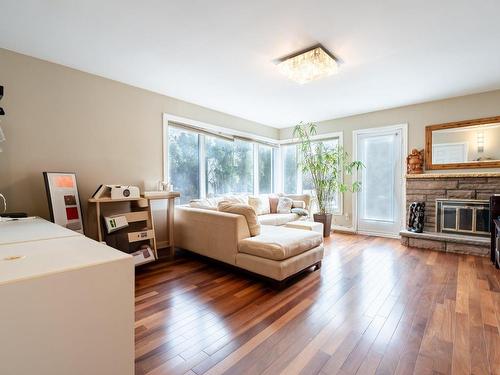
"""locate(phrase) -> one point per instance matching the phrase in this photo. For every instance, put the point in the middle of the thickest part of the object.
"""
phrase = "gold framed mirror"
(463, 144)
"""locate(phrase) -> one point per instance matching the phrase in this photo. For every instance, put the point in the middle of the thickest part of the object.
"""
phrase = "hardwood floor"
(375, 307)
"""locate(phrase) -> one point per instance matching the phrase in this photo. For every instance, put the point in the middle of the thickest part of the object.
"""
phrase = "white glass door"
(379, 203)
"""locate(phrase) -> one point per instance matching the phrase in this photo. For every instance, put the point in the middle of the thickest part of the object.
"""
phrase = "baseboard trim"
(376, 234)
(342, 229)
(162, 244)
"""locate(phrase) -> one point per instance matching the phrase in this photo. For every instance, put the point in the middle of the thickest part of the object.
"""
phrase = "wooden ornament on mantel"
(415, 162)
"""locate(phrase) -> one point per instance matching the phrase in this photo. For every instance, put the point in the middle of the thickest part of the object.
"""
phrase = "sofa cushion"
(298, 204)
(306, 198)
(278, 243)
(245, 210)
(235, 198)
(211, 203)
(277, 219)
(284, 205)
(279, 269)
(203, 204)
(260, 204)
(300, 211)
(273, 204)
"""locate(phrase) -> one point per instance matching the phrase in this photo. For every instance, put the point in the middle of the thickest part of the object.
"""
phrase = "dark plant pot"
(326, 220)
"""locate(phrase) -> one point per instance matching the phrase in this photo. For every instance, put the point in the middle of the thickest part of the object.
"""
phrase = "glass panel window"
(290, 169)
(265, 169)
(465, 218)
(244, 167)
(183, 155)
(229, 166)
(378, 177)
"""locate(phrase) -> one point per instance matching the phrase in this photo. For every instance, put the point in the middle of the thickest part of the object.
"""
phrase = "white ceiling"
(218, 53)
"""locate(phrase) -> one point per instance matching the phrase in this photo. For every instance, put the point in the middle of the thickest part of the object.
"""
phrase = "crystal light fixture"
(305, 66)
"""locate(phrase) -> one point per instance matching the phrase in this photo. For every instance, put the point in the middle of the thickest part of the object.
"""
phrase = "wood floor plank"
(375, 307)
(234, 357)
(479, 354)
(461, 349)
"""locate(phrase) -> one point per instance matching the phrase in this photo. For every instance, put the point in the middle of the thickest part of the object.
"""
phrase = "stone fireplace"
(456, 212)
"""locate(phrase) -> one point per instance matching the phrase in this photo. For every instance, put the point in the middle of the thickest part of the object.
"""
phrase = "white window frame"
(319, 137)
(255, 140)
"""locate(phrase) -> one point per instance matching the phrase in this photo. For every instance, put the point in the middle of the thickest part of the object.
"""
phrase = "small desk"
(170, 197)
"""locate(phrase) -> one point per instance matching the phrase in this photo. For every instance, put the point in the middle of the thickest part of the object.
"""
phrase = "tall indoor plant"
(326, 167)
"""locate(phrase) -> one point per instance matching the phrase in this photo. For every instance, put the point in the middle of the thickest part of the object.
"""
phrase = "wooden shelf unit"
(145, 215)
(170, 198)
(133, 216)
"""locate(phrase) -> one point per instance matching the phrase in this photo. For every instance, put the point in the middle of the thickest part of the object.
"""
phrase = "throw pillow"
(300, 211)
(306, 198)
(260, 205)
(298, 204)
(273, 204)
(284, 205)
(203, 204)
(242, 209)
(236, 199)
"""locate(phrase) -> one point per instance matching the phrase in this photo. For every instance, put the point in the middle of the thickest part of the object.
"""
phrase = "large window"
(183, 155)
(204, 165)
(266, 162)
(290, 168)
(229, 167)
(294, 180)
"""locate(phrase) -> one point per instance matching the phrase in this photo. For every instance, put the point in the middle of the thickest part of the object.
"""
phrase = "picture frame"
(64, 200)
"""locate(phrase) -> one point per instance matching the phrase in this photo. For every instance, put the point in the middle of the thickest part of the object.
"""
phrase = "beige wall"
(417, 117)
(61, 119)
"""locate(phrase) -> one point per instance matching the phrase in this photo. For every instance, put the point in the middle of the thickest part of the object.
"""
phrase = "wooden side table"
(170, 197)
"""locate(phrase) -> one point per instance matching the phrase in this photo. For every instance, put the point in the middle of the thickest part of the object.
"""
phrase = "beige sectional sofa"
(276, 253)
(264, 219)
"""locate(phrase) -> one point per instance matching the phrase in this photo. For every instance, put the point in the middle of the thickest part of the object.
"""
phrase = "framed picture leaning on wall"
(63, 199)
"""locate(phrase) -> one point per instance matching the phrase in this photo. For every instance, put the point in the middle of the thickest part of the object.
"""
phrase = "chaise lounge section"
(277, 253)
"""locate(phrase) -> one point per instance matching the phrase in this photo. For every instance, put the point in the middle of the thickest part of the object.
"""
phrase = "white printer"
(117, 191)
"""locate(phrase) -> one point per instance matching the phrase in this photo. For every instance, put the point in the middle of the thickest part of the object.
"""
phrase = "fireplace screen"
(468, 216)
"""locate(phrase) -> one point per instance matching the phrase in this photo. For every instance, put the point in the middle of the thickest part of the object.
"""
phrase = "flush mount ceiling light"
(308, 65)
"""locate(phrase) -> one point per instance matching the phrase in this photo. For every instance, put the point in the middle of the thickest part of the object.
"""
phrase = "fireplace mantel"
(452, 175)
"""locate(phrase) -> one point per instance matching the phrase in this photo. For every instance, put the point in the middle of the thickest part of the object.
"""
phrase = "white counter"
(31, 229)
(67, 302)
